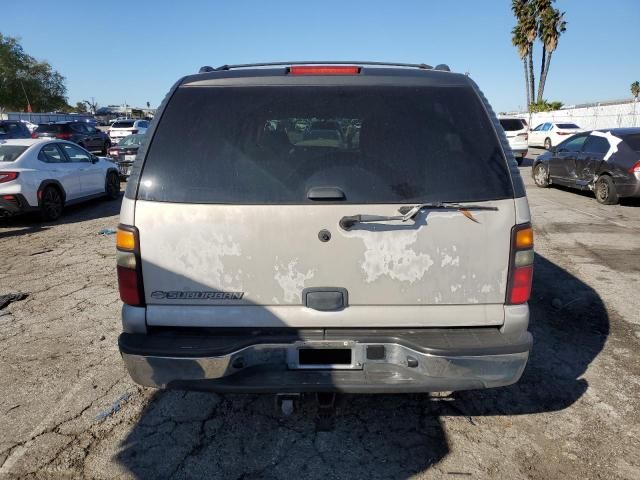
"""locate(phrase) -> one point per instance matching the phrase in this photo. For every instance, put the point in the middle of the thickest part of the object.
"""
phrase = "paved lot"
(69, 410)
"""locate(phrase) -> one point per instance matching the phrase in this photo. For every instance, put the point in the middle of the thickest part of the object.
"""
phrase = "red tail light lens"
(521, 280)
(128, 284)
(521, 268)
(635, 168)
(34, 135)
(524, 135)
(325, 70)
(8, 176)
(63, 136)
(566, 133)
(129, 266)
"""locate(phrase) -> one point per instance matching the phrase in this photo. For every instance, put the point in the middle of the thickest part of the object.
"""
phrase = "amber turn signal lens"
(524, 238)
(125, 240)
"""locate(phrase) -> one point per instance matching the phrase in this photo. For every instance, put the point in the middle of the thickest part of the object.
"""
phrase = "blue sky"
(133, 51)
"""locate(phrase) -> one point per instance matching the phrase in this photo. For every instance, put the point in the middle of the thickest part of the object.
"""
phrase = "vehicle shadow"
(203, 435)
(77, 213)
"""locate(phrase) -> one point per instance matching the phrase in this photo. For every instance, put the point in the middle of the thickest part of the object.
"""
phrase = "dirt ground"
(69, 410)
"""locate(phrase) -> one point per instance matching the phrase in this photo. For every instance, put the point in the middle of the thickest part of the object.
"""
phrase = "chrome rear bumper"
(371, 368)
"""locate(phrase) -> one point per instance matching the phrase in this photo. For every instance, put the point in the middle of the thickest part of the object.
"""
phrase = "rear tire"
(605, 191)
(547, 144)
(51, 204)
(541, 175)
(112, 186)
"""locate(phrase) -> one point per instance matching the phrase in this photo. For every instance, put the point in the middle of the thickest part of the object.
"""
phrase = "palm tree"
(635, 89)
(523, 36)
(520, 42)
(530, 29)
(552, 26)
(540, 7)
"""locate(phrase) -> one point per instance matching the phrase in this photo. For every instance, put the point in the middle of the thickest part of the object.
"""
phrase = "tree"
(635, 89)
(91, 105)
(524, 34)
(26, 82)
(536, 19)
(552, 25)
(520, 42)
(545, 106)
(80, 107)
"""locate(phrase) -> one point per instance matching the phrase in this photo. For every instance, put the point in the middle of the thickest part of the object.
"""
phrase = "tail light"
(325, 70)
(565, 133)
(635, 168)
(521, 268)
(129, 266)
(34, 135)
(8, 176)
(523, 135)
(63, 136)
(134, 131)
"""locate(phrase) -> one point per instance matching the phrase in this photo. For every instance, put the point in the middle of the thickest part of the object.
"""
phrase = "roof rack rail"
(422, 66)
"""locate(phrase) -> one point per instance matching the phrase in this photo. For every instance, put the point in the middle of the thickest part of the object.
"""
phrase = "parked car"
(13, 129)
(78, 132)
(46, 174)
(124, 128)
(124, 153)
(517, 132)
(604, 161)
(551, 133)
(399, 263)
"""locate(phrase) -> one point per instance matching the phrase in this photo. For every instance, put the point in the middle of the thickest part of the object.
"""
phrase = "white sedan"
(45, 175)
(550, 134)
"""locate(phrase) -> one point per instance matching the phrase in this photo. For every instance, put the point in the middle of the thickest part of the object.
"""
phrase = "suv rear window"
(511, 124)
(265, 145)
(122, 124)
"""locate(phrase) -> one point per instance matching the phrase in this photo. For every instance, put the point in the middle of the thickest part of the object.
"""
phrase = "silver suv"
(384, 246)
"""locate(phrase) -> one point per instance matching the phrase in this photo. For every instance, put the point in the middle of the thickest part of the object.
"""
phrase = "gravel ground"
(69, 410)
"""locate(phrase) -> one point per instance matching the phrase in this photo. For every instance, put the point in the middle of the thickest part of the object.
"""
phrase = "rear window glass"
(9, 153)
(122, 124)
(52, 128)
(264, 145)
(567, 125)
(131, 140)
(511, 124)
(633, 141)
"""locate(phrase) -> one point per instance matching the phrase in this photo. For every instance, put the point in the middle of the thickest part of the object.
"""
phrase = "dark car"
(13, 129)
(605, 161)
(125, 153)
(81, 133)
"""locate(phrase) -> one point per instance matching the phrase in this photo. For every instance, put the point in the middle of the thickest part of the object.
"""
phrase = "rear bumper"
(13, 206)
(418, 360)
(520, 152)
(630, 188)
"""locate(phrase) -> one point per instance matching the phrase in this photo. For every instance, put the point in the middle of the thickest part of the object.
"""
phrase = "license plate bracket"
(316, 355)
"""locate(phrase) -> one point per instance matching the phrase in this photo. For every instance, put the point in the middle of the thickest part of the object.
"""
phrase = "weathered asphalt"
(69, 410)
